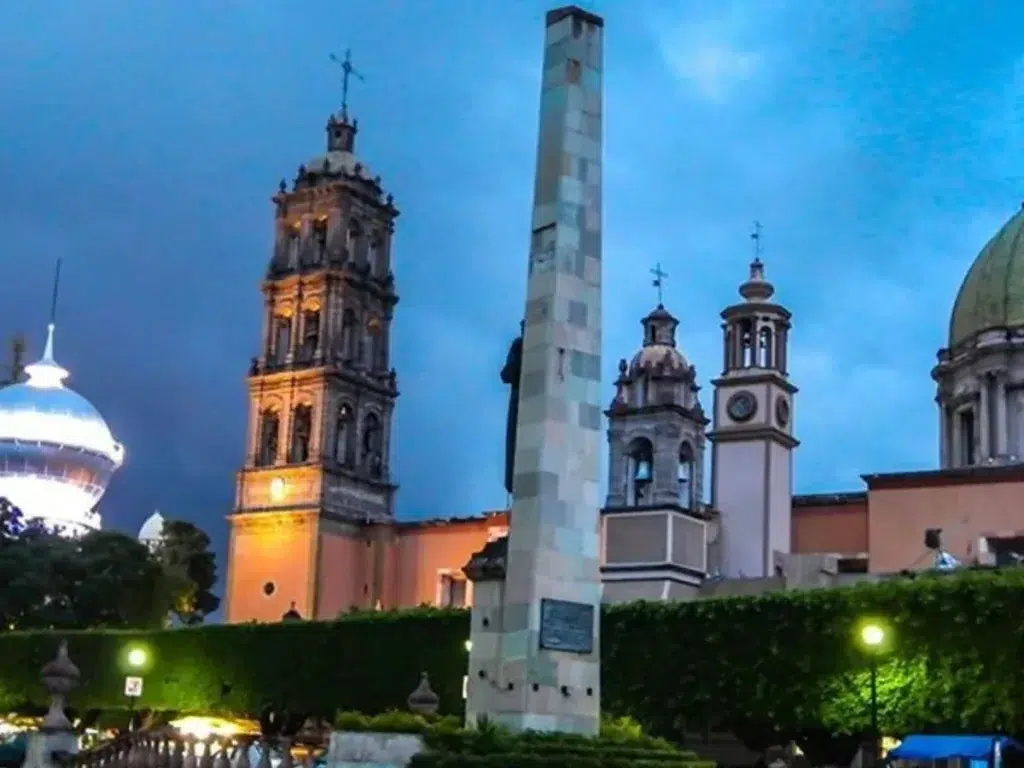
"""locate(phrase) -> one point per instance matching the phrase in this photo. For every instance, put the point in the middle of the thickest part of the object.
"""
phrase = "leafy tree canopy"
(101, 579)
(184, 552)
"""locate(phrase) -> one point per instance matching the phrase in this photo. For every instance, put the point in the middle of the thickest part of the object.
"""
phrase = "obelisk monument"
(548, 645)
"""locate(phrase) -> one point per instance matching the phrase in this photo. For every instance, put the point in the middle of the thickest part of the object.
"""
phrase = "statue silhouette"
(510, 375)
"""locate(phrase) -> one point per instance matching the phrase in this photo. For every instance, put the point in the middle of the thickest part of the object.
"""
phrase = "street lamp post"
(137, 658)
(875, 736)
(873, 637)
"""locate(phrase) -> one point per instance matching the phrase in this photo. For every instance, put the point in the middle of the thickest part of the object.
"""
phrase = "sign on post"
(132, 687)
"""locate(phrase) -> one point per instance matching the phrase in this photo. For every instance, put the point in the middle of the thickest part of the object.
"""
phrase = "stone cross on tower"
(659, 281)
(535, 660)
(347, 71)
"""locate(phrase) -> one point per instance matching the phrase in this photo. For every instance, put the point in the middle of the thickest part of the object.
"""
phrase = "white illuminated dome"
(56, 452)
(152, 531)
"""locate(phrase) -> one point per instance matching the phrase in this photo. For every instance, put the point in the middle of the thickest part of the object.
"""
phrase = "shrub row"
(784, 662)
(621, 743)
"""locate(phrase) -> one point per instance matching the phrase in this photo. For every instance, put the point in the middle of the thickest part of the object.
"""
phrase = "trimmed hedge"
(621, 743)
(367, 661)
(781, 663)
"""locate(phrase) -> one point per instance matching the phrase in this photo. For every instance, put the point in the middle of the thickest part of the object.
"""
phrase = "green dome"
(992, 294)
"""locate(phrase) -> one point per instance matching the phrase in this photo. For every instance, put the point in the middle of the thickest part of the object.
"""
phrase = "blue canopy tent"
(937, 747)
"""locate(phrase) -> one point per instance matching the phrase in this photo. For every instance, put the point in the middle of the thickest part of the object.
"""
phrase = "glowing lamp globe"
(872, 635)
(56, 452)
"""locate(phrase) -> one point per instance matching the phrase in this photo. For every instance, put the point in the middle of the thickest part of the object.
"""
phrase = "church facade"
(314, 529)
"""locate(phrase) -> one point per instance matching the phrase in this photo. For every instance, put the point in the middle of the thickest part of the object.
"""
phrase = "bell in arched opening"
(641, 471)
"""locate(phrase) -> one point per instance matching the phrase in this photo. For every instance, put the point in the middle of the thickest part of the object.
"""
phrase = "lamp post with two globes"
(873, 637)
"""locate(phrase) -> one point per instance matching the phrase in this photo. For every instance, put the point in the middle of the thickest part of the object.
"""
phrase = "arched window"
(320, 241)
(639, 472)
(372, 460)
(747, 343)
(372, 254)
(282, 338)
(348, 335)
(294, 243)
(352, 236)
(764, 347)
(370, 349)
(302, 430)
(685, 473)
(344, 437)
(266, 451)
(310, 334)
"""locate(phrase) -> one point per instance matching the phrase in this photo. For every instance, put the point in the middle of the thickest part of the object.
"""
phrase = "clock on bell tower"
(752, 436)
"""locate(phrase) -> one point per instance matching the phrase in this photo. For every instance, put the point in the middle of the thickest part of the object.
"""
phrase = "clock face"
(742, 406)
(782, 411)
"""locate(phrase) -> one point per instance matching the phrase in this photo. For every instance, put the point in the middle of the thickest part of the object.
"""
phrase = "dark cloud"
(141, 142)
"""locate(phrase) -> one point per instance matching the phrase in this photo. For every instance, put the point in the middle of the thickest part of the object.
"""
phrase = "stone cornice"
(753, 308)
(735, 380)
(300, 518)
(703, 513)
(625, 411)
(747, 433)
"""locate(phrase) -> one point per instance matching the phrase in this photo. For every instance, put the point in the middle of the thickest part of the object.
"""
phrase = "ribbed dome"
(659, 355)
(152, 531)
(658, 359)
(992, 294)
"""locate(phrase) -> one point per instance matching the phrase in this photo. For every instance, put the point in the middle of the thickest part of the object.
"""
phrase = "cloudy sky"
(879, 142)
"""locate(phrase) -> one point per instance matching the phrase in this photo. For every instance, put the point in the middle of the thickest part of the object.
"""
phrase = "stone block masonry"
(546, 651)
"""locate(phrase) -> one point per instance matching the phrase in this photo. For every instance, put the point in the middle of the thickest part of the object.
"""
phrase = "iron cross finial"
(659, 280)
(347, 71)
(756, 236)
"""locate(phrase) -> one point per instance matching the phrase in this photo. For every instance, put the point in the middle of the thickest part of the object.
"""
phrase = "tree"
(113, 565)
(102, 579)
(184, 552)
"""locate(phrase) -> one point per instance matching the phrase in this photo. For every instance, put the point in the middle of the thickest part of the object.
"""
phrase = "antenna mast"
(56, 291)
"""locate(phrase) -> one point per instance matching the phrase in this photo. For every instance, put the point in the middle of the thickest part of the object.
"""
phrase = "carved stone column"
(956, 444)
(666, 467)
(616, 472)
(1002, 423)
(983, 421)
(322, 339)
(943, 437)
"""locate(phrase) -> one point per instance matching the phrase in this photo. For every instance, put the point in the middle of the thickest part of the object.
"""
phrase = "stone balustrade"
(166, 748)
(55, 745)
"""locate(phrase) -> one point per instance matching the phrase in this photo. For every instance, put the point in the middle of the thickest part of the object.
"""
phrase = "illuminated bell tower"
(322, 394)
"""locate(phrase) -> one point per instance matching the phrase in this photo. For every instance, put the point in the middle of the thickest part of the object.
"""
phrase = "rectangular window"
(453, 591)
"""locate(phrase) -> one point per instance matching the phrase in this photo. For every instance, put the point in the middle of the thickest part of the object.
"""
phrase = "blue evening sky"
(878, 141)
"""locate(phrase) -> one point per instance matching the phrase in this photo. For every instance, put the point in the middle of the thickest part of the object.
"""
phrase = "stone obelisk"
(548, 644)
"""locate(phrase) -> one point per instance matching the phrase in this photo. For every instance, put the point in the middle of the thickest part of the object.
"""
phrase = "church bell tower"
(752, 437)
(322, 392)
(656, 527)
